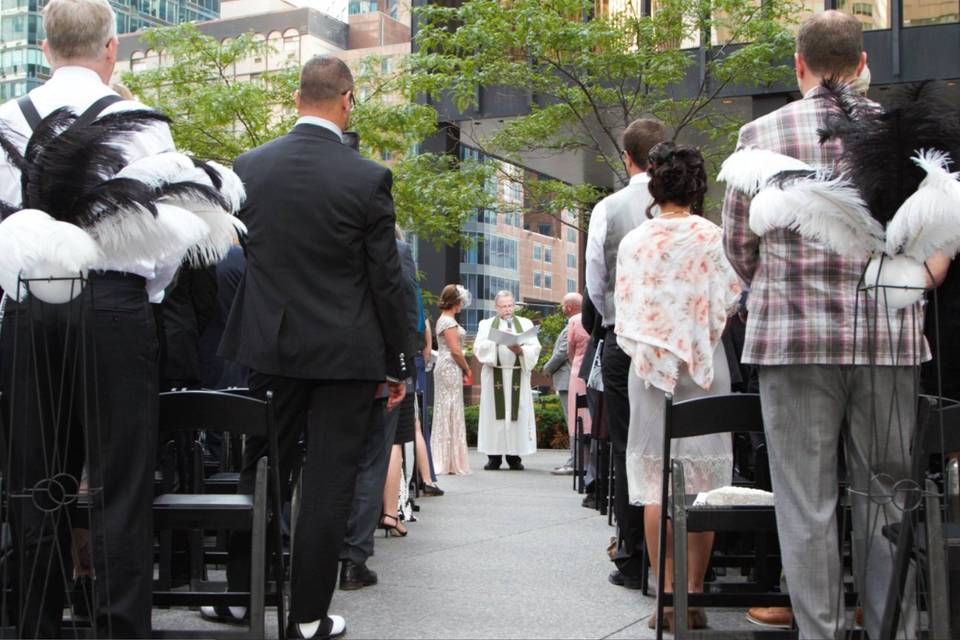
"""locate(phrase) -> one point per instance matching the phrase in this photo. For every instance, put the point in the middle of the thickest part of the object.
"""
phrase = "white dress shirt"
(596, 267)
(321, 122)
(78, 88)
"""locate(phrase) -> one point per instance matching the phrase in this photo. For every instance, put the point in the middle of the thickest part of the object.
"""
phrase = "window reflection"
(872, 14)
(920, 12)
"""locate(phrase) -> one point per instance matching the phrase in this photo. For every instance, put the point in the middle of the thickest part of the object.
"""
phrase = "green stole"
(500, 376)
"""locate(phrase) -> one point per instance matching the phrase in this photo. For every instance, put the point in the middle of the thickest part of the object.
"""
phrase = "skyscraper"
(22, 65)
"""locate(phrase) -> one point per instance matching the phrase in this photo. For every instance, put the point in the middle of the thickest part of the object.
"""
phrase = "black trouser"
(367, 504)
(336, 416)
(616, 402)
(81, 385)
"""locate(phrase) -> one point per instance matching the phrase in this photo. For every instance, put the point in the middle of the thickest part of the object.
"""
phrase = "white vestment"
(513, 437)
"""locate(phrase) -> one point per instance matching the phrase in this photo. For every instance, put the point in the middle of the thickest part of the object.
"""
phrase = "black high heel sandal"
(432, 490)
(392, 530)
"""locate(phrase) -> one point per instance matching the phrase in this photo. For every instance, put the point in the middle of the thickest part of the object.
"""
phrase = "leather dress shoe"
(225, 615)
(332, 627)
(492, 466)
(356, 575)
(622, 580)
(589, 501)
(776, 617)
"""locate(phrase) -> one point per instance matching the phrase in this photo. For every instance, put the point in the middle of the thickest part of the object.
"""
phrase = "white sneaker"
(311, 629)
(562, 471)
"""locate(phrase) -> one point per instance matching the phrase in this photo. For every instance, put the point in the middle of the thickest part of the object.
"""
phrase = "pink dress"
(577, 340)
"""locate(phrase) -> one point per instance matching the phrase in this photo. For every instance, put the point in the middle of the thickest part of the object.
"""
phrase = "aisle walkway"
(502, 555)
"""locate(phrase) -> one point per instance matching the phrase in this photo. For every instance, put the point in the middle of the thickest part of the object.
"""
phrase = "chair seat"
(732, 518)
(196, 511)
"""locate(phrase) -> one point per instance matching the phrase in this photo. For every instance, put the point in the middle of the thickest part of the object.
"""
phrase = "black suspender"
(29, 111)
(92, 112)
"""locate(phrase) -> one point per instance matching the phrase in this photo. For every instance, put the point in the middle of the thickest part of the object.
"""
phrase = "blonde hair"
(78, 29)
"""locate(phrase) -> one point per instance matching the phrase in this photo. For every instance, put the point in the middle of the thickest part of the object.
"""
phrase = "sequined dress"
(448, 438)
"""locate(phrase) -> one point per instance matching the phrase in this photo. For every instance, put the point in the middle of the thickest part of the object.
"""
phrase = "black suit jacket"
(322, 295)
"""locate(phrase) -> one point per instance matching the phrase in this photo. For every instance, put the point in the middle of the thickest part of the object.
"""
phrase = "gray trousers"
(806, 410)
(563, 408)
(367, 504)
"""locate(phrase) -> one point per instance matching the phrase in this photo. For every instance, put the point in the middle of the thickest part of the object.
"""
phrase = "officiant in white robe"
(507, 423)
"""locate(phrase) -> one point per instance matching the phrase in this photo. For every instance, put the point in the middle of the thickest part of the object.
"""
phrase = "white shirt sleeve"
(596, 267)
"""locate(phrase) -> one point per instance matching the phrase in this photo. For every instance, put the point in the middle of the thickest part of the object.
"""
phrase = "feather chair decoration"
(84, 204)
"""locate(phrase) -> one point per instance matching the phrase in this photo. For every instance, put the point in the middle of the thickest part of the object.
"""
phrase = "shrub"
(551, 424)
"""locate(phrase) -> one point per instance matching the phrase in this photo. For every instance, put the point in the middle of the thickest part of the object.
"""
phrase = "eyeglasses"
(353, 100)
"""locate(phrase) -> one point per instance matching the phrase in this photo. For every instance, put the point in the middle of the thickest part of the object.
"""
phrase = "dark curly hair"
(678, 174)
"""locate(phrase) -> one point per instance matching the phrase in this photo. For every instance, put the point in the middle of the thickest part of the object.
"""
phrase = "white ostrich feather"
(224, 231)
(163, 168)
(749, 169)
(830, 212)
(929, 220)
(232, 187)
(35, 244)
(183, 229)
(133, 235)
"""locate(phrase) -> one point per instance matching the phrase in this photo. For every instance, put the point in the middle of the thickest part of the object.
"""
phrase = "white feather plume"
(929, 220)
(749, 169)
(232, 187)
(224, 232)
(184, 230)
(36, 245)
(830, 212)
(163, 168)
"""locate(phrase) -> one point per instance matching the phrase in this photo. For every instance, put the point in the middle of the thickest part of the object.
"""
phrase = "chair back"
(581, 401)
(713, 414)
(215, 411)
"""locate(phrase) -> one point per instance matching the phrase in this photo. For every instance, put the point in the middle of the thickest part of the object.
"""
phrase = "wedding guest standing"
(507, 424)
(448, 439)
(319, 320)
(674, 293)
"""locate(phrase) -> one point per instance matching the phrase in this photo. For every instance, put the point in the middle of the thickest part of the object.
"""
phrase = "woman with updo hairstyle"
(674, 293)
(448, 438)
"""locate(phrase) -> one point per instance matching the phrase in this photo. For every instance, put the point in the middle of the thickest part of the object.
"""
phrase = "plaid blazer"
(803, 303)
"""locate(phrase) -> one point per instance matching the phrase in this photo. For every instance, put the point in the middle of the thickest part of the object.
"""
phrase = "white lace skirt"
(707, 460)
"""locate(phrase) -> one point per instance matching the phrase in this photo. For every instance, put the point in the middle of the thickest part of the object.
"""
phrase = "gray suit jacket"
(558, 366)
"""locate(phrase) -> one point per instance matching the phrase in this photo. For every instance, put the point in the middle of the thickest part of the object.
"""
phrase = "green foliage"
(216, 116)
(589, 76)
(551, 424)
(550, 328)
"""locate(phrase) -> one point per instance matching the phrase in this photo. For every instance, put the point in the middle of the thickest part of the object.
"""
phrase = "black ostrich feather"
(194, 191)
(7, 209)
(65, 163)
(212, 173)
(113, 197)
(10, 148)
(878, 145)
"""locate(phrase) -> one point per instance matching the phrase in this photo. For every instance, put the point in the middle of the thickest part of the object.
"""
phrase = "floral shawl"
(674, 292)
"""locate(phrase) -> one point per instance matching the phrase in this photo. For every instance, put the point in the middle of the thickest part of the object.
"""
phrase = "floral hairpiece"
(464, 295)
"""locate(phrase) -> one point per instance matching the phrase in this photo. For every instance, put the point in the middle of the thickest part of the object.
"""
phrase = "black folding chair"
(230, 413)
(579, 439)
(930, 542)
(698, 417)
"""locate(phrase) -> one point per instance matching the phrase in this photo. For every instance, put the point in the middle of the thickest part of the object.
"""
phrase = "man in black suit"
(319, 320)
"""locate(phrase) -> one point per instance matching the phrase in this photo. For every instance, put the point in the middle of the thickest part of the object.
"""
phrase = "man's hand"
(397, 391)
(517, 349)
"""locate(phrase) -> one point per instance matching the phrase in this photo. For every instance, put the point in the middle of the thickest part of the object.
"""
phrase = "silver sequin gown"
(448, 437)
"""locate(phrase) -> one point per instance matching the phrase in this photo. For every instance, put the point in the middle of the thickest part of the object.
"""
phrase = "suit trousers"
(616, 401)
(806, 410)
(562, 394)
(368, 495)
(80, 381)
(335, 416)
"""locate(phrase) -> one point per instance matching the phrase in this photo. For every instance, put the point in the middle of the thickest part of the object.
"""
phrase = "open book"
(508, 339)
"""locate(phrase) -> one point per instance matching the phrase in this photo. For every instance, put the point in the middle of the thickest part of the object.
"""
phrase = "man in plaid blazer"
(814, 382)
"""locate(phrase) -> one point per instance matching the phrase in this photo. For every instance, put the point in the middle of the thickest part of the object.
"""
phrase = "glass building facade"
(22, 65)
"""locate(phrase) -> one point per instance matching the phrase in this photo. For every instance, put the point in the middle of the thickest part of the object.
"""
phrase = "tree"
(218, 116)
(588, 76)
